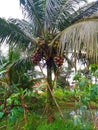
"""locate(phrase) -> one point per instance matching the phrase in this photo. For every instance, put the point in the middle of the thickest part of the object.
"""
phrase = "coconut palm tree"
(50, 32)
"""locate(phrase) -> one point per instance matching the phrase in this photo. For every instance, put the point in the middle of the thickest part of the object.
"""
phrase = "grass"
(34, 122)
(59, 124)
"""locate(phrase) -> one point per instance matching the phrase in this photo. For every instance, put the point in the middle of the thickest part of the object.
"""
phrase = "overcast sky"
(11, 8)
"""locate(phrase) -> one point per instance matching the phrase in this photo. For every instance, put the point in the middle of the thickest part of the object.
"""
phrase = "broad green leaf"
(82, 84)
(1, 114)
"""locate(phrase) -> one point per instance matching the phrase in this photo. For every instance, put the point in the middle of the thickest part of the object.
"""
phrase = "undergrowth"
(34, 122)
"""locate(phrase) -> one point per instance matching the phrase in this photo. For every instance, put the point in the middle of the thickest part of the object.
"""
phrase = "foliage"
(59, 124)
(1, 114)
(59, 93)
(77, 121)
(94, 67)
(94, 92)
(14, 114)
(34, 122)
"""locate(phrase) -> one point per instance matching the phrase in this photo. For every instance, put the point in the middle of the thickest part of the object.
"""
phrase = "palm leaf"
(22, 64)
(25, 26)
(14, 34)
(82, 36)
(88, 10)
(23, 72)
(49, 14)
(17, 69)
(35, 9)
(59, 13)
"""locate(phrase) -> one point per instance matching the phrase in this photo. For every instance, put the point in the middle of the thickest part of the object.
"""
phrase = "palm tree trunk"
(50, 112)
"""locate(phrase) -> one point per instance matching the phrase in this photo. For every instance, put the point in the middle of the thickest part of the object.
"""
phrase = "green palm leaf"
(49, 14)
(25, 26)
(24, 72)
(17, 70)
(61, 12)
(36, 13)
(13, 33)
(87, 11)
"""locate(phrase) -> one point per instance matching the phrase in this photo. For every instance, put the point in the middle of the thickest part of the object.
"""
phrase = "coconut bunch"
(59, 60)
(36, 57)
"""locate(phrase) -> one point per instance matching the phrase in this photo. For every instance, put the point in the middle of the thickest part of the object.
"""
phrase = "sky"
(11, 8)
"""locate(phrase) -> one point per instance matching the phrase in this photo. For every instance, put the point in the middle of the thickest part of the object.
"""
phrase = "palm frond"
(25, 26)
(50, 14)
(59, 13)
(11, 33)
(14, 33)
(35, 9)
(23, 72)
(82, 36)
(17, 69)
(22, 64)
(88, 10)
